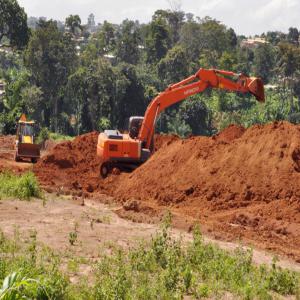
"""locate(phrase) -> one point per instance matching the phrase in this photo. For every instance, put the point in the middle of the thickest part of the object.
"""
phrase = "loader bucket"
(28, 150)
(256, 88)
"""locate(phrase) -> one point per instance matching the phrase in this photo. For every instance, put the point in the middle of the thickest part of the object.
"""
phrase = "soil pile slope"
(74, 165)
(241, 183)
(228, 170)
(71, 164)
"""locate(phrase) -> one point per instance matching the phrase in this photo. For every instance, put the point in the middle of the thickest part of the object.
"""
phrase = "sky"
(244, 16)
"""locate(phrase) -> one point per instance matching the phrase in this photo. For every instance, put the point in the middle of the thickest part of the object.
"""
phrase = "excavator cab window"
(135, 124)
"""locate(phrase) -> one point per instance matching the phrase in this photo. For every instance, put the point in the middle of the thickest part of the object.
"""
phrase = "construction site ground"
(241, 186)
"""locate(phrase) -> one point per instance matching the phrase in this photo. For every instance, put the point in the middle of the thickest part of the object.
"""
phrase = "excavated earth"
(239, 185)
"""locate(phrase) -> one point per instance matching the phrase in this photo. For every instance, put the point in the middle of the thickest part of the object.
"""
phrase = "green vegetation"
(13, 24)
(22, 186)
(26, 273)
(60, 137)
(164, 268)
(72, 81)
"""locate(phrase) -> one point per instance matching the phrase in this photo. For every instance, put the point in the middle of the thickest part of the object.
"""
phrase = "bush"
(167, 269)
(43, 135)
(26, 273)
(60, 137)
(20, 186)
(163, 268)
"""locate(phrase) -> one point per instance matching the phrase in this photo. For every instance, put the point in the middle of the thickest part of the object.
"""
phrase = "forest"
(72, 80)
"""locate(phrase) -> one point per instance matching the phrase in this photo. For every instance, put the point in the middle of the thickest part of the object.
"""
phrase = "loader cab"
(135, 124)
(26, 132)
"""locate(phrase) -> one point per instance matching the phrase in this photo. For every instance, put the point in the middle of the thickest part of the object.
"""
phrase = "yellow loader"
(25, 138)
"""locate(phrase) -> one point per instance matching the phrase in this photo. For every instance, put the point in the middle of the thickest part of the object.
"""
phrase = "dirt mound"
(71, 165)
(162, 140)
(230, 133)
(243, 182)
(260, 164)
(7, 146)
(74, 165)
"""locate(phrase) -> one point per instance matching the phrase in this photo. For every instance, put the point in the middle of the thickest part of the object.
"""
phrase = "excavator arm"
(195, 84)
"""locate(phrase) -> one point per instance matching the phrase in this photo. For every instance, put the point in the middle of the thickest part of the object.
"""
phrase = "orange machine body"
(114, 145)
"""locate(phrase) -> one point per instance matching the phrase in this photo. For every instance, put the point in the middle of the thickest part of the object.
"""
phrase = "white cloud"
(246, 17)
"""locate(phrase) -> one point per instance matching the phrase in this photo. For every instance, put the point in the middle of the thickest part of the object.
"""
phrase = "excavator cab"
(135, 123)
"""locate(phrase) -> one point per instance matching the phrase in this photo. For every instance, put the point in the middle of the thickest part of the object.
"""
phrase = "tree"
(107, 38)
(196, 115)
(289, 61)
(293, 36)
(214, 35)
(264, 62)
(13, 23)
(128, 40)
(157, 40)
(76, 96)
(288, 67)
(51, 57)
(132, 101)
(174, 20)
(190, 39)
(32, 97)
(74, 23)
(232, 37)
(228, 61)
(173, 67)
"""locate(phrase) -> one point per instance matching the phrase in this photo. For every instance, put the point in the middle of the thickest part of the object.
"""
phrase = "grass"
(22, 186)
(45, 134)
(59, 137)
(163, 268)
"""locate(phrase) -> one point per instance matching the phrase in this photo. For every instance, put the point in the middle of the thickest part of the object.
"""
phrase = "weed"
(163, 268)
(73, 235)
(22, 186)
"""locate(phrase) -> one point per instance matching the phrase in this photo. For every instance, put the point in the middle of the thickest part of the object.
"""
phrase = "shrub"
(22, 186)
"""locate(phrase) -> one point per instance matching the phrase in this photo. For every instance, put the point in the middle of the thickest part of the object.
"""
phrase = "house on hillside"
(253, 43)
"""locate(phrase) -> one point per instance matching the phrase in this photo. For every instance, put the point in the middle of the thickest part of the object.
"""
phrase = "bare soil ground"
(97, 225)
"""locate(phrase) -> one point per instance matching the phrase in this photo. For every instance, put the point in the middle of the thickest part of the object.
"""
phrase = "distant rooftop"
(253, 43)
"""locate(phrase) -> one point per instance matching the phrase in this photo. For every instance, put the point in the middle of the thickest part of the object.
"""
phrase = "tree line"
(72, 81)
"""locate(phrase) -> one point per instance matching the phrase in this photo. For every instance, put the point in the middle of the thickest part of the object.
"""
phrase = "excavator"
(25, 146)
(128, 151)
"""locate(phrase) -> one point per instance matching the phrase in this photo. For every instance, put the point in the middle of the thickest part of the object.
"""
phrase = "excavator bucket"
(256, 88)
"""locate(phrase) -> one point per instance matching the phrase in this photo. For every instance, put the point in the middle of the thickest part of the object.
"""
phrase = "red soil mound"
(246, 183)
(71, 164)
(74, 164)
(230, 133)
(261, 164)
(164, 140)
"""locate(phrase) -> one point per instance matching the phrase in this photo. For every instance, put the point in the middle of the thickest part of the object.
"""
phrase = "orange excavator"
(128, 151)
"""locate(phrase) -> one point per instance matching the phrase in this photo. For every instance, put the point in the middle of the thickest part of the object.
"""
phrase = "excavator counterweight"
(127, 151)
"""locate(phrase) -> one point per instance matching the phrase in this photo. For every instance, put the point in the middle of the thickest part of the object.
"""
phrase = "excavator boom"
(126, 151)
(195, 84)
